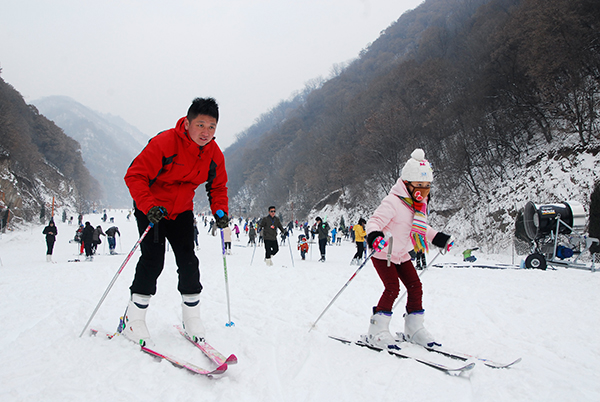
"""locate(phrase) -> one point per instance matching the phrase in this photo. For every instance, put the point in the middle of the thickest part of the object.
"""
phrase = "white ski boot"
(268, 261)
(134, 321)
(415, 332)
(192, 324)
(379, 331)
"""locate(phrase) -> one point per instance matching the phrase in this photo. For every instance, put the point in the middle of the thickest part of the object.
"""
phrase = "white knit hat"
(417, 168)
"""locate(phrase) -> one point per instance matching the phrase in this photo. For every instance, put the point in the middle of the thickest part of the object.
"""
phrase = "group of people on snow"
(86, 235)
(162, 180)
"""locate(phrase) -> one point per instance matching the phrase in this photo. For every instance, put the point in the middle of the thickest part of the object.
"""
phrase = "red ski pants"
(389, 276)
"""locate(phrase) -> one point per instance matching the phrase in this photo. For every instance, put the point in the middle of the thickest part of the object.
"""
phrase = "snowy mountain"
(108, 143)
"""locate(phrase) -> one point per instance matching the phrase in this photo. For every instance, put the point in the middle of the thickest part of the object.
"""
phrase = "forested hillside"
(486, 87)
(38, 162)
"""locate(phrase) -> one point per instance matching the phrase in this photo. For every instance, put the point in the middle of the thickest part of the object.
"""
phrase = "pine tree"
(594, 223)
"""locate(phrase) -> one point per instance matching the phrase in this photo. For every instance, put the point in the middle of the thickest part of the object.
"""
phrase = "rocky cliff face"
(40, 167)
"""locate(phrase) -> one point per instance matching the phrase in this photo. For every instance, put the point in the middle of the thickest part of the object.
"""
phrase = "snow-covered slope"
(546, 317)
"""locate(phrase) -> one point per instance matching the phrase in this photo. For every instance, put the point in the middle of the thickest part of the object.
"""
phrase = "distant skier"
(467, 257)
(227, 239)
(50, 231)
(403, 213)
(111, 234)
(268, 228)
(78, 238)
(303, 247)
(359, 236)
(420, 260)
(321, 229)
(87, 238)
(96, 240)
(251, 234)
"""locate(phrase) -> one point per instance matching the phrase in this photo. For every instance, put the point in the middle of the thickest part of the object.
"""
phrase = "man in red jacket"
(162, 181)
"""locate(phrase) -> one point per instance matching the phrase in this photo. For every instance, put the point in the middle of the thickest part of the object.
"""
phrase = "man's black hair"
(272, 207)
(205, 106)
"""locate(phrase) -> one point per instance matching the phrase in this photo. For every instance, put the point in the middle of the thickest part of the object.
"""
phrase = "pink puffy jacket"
(394, 216)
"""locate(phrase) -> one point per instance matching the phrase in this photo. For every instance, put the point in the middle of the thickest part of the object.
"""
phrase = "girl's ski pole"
(342, 289)
(110, 285)
(420, 273)
(229, 322)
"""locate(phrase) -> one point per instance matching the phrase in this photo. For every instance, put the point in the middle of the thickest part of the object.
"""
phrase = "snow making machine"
(556, 235)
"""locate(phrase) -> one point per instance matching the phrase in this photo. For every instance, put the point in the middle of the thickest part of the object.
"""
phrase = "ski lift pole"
(229, 322)
(342, 289)
(114, 279)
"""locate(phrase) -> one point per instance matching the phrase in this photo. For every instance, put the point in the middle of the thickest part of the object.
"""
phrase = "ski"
(406, 354)
(151, 350)
(183, 364)
(208, 350)
(463, 356)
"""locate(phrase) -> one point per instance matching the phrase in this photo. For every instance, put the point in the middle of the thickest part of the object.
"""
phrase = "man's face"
(272, 212)
(201, 129)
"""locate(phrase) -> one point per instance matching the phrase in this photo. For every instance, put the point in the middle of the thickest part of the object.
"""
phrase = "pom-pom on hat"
(417, 168)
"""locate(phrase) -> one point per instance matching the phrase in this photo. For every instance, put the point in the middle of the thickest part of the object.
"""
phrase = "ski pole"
(253, 251)
(420, 273)
(229, 322)
(110, 285)
(290, 244)
(342, 289)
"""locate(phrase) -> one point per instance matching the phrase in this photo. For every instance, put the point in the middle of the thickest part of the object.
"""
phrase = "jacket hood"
(400, 189)
(180, 130)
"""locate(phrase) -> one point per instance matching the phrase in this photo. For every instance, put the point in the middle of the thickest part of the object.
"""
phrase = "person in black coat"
(88, 239)
(50, 231)
(268, 227)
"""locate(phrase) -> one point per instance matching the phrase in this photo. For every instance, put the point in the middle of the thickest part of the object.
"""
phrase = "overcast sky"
(145, 60)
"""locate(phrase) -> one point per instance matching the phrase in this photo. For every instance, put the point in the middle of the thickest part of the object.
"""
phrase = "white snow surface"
(548, 318)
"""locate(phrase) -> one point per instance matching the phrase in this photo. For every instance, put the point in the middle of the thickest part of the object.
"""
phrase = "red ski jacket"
(170, 168)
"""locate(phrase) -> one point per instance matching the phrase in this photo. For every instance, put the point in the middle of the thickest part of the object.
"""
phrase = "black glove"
(221, 219)
(155, 214)
(443, 241)
(372, 236)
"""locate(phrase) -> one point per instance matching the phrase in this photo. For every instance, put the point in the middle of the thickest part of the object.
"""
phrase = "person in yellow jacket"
(359, 238)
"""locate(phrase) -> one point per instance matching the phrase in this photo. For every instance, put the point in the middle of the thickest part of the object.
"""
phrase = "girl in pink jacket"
(402, 216)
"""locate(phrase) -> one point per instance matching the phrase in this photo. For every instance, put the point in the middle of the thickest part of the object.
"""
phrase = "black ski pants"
(322, 245)
(271, 248)
(180, 234)
(360, 248)
(50, 244)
